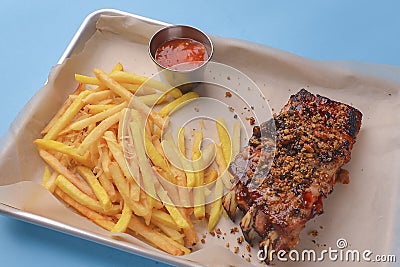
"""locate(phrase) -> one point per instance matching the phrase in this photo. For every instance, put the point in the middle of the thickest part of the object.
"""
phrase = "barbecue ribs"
(289, 166)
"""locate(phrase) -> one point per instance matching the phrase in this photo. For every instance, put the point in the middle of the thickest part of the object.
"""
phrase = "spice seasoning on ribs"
(290, 165)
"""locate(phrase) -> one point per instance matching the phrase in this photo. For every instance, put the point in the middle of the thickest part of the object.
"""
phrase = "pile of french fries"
(108, 159)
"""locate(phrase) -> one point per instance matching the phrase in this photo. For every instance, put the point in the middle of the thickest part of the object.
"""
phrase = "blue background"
(35, 33)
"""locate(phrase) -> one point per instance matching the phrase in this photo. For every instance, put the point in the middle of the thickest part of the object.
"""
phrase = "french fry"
(87, 80)
(65, 149)
(158, 160)
(153, 236)
(172, 233)
(98, 190)
(96, 109)
(97, 218)
(162, 217)
(71, 190)
(167, 109)
(222, 167)
(97, 132)
(211, 177)
(81, 124)
(236, 138)
(106, 183)
(123, 188)
(67, 116)
(48, 180)
(123, 221)
(128, 96)
(127, 77)
(224, 139)
(199, 197)
(137, 129)
(56, 165)
(97, 97)
(173, 211)
(216, 206)
(154, 99)
(138, 90)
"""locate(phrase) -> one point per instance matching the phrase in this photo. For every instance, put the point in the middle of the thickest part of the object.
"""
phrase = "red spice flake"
(218, 231)
(212, 233)
(228, 94)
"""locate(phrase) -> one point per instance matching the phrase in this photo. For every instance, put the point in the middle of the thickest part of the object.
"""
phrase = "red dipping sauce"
(172, 54)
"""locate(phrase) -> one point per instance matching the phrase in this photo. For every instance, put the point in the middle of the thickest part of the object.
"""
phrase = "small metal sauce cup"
(184, 79)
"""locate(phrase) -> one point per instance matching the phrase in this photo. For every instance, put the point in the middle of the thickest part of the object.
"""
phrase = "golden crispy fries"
(128, 96)
(224, 139)
(56, 165)
(216, 206)
(153, 236)
(198, 191)
(158, 160)
(67, 116)
(48, 180)
(108, 162)
(123, 221)
(160, 216)
(96, 109)
(139, 90)
(98, 190)
(116, 151)
(71, 190)
(172, 233)
(97, 132)
(97, 218)
(79, 125)
(87, 80)
(97, 97)
(137, 128)
(126, 77)
(154, 99)
(167, 109)
(123, 188)
(65, 149)
(106, 183)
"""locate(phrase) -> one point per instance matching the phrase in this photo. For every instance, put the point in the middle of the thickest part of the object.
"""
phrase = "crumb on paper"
(227, 245)
(228, 78)
(234, 230)
(235, 116)
(240, 239)
(196, 109)
(251, 120)
(203, 241)
(248, 259)
(235, 250)
(218, 231)
(231, 109)
(212, 233)
(248, 248)
(313, 233)
(228, 94)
